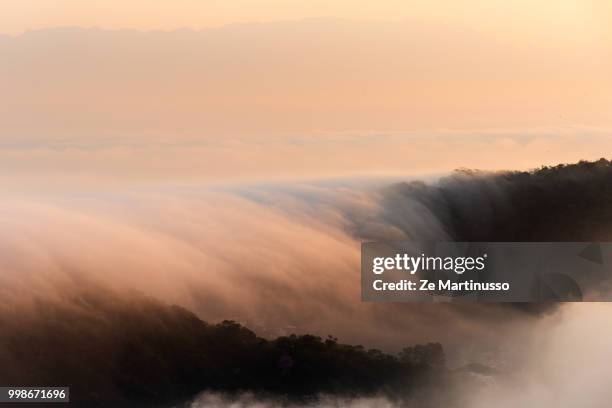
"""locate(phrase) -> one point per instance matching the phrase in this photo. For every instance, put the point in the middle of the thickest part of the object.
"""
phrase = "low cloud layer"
(108, 163)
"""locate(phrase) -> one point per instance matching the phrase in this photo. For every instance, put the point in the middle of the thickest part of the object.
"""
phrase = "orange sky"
(279, 95)
(562, 19)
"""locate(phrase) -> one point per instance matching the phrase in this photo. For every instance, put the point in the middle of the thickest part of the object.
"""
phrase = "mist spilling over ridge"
(560, 203)
(112, 295)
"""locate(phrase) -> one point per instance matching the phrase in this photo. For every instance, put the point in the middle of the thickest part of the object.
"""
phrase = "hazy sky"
(562, 19)
(364, 87)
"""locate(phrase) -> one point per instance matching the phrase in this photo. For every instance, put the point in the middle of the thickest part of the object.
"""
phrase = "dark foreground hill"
(117, 350)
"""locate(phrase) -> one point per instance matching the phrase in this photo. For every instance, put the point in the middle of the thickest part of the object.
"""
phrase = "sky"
(262, 90)
(562, 19)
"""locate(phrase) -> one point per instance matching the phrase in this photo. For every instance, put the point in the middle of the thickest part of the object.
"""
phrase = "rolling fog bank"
(96, 275)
